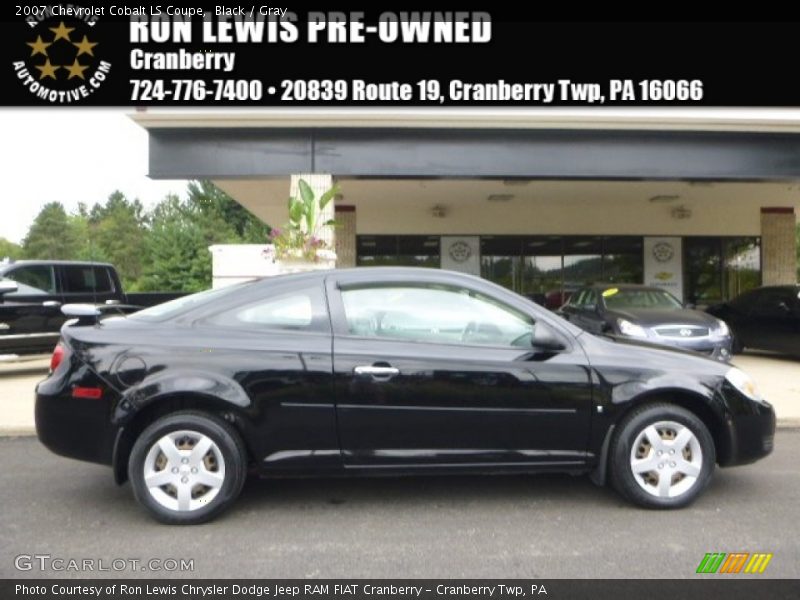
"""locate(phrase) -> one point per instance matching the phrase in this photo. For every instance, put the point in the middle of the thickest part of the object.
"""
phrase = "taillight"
(58, 356)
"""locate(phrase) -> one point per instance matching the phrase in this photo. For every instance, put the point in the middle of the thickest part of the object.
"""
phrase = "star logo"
(85, 46)
(47, 70)
(39, 46)
(62, 31)
(60, 63)
(76, 70)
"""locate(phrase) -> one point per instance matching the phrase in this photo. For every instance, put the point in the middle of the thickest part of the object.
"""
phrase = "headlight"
(722, 328)
(631, 329)
(742, 382)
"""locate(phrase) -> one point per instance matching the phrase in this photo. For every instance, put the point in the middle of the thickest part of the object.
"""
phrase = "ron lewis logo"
(60, 62)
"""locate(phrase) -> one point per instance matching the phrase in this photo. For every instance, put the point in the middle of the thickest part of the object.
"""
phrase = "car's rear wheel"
(187, 467)
(663, 457)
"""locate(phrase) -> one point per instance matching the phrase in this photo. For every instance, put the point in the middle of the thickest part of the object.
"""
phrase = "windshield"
(623, 299)
(160, 312)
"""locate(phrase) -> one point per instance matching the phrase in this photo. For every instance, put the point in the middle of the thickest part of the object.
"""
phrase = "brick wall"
(345, 236)
(778, 246)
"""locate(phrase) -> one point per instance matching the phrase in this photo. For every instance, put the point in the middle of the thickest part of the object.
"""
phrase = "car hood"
(649, 317)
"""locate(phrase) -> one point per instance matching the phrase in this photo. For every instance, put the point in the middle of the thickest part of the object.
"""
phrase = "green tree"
(176, 246)
(9, 249)
(52, 235)
(117, 231)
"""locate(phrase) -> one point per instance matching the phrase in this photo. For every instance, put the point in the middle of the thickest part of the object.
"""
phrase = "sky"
(71, 156)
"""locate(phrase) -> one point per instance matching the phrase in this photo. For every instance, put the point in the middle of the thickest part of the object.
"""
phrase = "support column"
(345, 236)
(778, 246)
(320, 183)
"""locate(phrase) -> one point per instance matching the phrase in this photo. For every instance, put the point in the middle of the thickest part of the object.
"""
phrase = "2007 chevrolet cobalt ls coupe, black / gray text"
(385, 370)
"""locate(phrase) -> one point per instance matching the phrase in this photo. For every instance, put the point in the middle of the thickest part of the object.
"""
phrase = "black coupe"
(385, 370)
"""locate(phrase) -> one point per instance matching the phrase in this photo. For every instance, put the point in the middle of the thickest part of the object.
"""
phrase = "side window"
(582, 298)
(590, 299)
(774, 303)
(33, 280)
(86, 279)
(298, 310)
(576, 300)
(434, 314)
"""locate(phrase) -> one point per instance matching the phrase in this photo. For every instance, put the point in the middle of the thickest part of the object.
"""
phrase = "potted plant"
(301, 243)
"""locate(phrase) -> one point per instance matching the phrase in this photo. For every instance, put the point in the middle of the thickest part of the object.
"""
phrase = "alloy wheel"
(184, 470)
(666, 459)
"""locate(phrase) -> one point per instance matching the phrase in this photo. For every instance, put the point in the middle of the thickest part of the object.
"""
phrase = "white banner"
(663, 264)
(462, 253)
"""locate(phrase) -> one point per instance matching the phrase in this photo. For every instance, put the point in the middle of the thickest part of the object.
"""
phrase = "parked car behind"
(766, 318)
(33, 291)
(649, 314)
(384, 371)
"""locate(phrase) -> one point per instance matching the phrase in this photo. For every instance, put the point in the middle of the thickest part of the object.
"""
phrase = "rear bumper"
(78, 428)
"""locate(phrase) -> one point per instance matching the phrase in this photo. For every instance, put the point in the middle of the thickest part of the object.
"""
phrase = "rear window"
(33, 280)
(161, 312)
(87, 279)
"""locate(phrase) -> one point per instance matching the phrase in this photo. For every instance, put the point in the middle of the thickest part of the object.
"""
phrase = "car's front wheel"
(663, 456)
(187, 467)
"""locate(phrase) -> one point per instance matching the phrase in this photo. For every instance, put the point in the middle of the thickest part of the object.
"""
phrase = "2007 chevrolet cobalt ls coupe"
(384, 370)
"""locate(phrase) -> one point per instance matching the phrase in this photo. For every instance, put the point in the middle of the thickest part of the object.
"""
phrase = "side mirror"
(690, 306)
(545, 340)
(7, 286)
(590, 307)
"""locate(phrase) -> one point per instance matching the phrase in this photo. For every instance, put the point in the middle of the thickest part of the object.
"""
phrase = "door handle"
(377, 371)
(51, 303)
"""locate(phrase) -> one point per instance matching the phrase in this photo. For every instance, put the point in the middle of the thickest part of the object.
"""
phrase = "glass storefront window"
(741, 265)
(548, 268)
(500, 260)
(397, 251)
(583, 263)
(543, 265)
(717, 269)
(623, 259)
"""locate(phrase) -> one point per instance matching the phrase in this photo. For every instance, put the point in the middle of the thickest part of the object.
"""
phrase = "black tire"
(623, 478)
(736, 343)
(227, 441)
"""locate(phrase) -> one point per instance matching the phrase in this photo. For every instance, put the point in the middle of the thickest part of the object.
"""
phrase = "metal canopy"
(455, 153)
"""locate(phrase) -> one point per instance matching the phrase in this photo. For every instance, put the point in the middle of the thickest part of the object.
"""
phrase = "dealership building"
(701, 202)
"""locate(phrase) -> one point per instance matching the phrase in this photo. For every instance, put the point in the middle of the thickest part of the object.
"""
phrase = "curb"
(17, 431)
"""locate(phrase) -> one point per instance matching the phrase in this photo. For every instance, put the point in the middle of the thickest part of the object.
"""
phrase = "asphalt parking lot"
(547, 526)
(469, 527)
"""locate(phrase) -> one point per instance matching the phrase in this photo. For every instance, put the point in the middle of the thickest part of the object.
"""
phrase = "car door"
(429, 374)
(774, 320)
(87, 283)
(584, 313)
(30, 317)
(277, 347)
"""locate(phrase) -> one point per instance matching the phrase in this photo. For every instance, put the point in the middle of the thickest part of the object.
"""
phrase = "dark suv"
(30, 307)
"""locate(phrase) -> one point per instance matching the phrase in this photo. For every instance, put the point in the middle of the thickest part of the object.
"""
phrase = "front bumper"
(750, 429)
(716, 348)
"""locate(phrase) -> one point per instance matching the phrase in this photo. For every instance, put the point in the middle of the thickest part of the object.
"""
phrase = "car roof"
(388, 273)
(37, 262)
